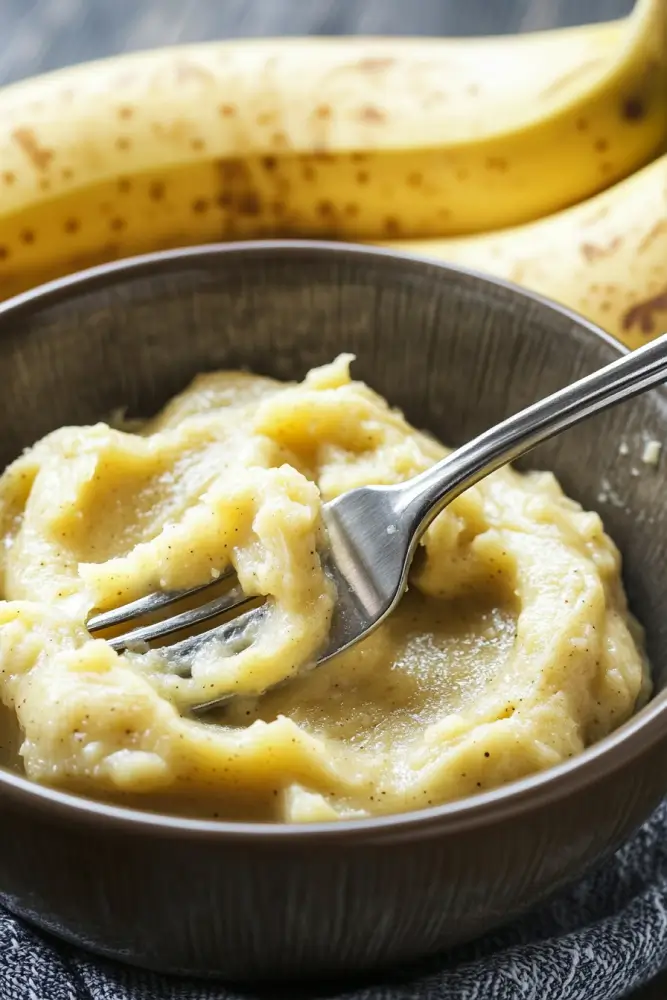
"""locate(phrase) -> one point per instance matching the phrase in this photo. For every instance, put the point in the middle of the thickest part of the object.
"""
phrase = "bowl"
(457, 352)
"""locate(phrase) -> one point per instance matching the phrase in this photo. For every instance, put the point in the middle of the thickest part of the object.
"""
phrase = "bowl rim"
(635, 737)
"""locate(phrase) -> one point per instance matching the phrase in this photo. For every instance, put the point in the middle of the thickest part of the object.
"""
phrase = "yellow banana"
(351, 138)
(605, 258)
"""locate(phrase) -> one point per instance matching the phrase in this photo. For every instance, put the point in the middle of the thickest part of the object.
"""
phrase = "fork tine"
(239, 632)
(234, 598)
(148, 604)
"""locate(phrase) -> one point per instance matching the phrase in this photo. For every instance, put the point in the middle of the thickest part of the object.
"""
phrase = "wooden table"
(39, 35)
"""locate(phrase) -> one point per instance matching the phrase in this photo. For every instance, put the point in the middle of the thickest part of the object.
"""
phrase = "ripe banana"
(352, 138)
(605, 258)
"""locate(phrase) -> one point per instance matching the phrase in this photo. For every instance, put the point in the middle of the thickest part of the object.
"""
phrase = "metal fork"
(373, 531)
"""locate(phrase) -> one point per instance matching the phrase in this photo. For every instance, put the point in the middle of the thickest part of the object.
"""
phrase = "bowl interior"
(455, 351)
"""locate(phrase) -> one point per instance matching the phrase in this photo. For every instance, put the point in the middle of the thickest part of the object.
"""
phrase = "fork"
(373, 531)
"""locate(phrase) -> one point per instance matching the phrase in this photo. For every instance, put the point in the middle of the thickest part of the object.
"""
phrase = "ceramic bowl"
(457, 352)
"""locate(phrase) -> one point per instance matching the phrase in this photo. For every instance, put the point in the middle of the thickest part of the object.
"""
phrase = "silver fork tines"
(233, 598)
(146, 605)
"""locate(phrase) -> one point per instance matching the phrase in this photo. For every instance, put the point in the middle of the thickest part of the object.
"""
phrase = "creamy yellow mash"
(512, 650)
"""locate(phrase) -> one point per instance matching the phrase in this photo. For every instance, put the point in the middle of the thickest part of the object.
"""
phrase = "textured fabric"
(597, 941)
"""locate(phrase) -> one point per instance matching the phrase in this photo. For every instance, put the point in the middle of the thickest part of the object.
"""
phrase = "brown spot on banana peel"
(633, 108)
(372, 115)
(641, 314)
(591, 252)
(237, 189)
(39, 155)
(374, 64)
(234, 170)
(249, 204)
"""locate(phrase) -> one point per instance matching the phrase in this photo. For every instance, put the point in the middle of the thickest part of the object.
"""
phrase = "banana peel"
(605, 258)
(348, 138)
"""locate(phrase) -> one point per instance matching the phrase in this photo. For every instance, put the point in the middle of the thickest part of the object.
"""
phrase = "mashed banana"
(512, 650)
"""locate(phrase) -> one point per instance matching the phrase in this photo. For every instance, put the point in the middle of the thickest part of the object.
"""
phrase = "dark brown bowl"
(457, 352)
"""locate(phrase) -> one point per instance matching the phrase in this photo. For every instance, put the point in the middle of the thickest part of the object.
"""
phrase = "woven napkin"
(597, 941)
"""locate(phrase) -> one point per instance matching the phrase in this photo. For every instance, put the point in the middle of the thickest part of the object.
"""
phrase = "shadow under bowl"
(457, 352)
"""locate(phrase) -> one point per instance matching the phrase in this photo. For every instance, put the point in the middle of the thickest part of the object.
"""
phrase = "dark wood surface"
(40, 35)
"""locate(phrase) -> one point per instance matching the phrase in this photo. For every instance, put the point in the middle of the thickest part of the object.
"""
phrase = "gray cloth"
(597, 941)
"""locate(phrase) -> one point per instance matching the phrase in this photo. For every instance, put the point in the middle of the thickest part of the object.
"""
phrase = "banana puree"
(512, 650)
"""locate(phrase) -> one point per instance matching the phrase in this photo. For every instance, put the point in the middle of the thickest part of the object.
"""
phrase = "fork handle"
(425, 495)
